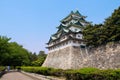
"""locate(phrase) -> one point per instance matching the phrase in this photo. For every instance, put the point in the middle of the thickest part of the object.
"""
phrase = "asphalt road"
(16, 76)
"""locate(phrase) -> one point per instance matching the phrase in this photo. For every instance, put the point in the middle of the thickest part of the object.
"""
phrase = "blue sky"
(31, 22)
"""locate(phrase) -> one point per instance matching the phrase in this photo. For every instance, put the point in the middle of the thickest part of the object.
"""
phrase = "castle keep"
(66, 46)
(67, 49)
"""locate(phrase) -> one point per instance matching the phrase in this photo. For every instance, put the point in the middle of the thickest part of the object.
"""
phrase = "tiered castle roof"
(73, 19)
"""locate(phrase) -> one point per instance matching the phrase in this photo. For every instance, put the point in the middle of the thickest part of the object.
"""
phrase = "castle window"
(74, 41)
(78, 35)
(75, 47)
(66, 42)
(79, 42)
(82, 46)
(75, 30)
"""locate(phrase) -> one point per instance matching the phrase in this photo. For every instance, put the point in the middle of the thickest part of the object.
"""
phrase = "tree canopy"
(37, 60)
(12, 54)
(99, 34)
(4, 48)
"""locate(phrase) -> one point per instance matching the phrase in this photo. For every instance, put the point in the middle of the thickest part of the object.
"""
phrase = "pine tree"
(112, 26)
(99, 34)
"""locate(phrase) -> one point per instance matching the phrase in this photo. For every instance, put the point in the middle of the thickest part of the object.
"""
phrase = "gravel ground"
(15, 76)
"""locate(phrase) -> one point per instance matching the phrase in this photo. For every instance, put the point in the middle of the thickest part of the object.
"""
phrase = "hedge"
(81, 74)
(2, 70)
(43, 70)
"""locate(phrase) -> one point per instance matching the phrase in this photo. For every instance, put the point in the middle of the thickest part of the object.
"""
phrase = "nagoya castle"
(66, 47)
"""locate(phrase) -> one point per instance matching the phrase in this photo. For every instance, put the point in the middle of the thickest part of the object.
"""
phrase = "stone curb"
(40, 77)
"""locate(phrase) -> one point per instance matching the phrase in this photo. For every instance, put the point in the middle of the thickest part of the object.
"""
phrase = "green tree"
(18, 55)
(4, 49)
(33, 57)
(12, 54)
(40, 59)
(112, 26)
(42, 54)
(99, 34)
(93, 35)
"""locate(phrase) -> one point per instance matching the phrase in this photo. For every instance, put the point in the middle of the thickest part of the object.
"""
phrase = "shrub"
(81, 74)
(43, 70)
(2, 68)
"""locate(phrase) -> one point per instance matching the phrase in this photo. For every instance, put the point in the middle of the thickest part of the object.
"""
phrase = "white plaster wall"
(70, 43)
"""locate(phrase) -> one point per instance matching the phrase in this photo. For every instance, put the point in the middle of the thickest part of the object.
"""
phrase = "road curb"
(40, 77)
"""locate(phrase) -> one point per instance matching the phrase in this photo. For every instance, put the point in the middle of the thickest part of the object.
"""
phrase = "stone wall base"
(104, 57)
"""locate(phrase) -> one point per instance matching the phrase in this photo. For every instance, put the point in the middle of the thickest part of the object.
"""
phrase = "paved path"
(27, 76)
(16, 76)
